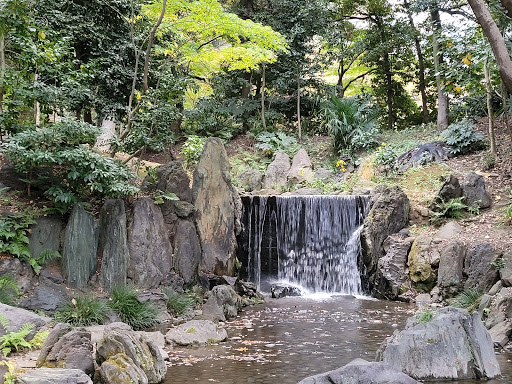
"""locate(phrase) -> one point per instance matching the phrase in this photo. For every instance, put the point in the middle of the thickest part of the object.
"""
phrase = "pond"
(283, 341)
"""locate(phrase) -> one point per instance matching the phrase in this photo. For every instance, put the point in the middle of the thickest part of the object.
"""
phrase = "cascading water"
(311, 241)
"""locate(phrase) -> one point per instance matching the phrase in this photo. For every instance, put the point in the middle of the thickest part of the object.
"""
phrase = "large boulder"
(275, 176)
(53, 376)
(187, 251)
(18, 317)
(361, 371)
(79, 250)
(149, 245)
(420, 261)
(392, 272)
(45, 235)
(301, 169)
(196, 332)
(218, 208)
(454, 345)
(170, 177)
(22, 272)
(118, 369)
(46, 296)
(480, 267)
(506, 271)
(450, 189)
(388, 214)
(226, 299)
(250, 180)
(449, 276)
(67, 348)
(113, 244)
(474, 191)
(121, 344)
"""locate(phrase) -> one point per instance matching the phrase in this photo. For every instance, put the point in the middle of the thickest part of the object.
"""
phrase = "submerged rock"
(361, 371)
(196, 332)
(283, 290)
(453, 345)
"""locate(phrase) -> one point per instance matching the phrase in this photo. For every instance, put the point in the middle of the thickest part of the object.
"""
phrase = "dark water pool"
(285, 340)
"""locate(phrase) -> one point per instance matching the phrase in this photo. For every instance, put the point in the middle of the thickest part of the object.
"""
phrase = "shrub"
(462, 138)
(469, 299)
(59, 160)
(352, 122)
(276, 142)
(178, 303)
(192, 149)
(131, 311)
(386, 155)
(84, 310)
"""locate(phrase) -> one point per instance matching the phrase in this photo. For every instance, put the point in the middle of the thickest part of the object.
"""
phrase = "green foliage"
(271, 143)
(14, 236)
(489, 162)
(192, 149)
(59, 160)
(469, 299)
(498, 264)
(178, 303)
(84, 310)
(8, 289)
(462, 138)
(12, 375)
(453, 208)
(15, 341)
(425, 315)
(352, 122)
(161, 197)
(131, 311)
(508, 214)
(386, 155)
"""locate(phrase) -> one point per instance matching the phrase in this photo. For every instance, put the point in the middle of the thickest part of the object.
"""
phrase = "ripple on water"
(282, 341)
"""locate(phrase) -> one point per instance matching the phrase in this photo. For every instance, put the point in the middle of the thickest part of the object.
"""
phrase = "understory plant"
(453, 208)
(84, 310)
(131, 311)
(17, 341)
(352, 122)
(468, 299)
(462, 137)
(178, 303)
(192, 149)
(8, 289)
(59, 160)
(271, 143)
(425, 315)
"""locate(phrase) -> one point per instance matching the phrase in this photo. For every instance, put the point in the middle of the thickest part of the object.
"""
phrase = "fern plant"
(8, 289)
(15, 341)
(14, 236)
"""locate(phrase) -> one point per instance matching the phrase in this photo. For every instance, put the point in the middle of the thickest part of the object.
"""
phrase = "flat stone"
(54, 376)
(449, 231)
(500, 333)
(196, 332)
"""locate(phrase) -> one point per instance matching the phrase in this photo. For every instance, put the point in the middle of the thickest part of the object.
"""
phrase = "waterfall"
(311, 241)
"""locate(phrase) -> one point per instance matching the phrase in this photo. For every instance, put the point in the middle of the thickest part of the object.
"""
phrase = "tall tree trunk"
(389, 76)
(299, 126)
(421, 67)
(490, 112)
(496, 41)
(262, 90)
(504, 100)
(442, 97)
(88, 115)
(152, 34)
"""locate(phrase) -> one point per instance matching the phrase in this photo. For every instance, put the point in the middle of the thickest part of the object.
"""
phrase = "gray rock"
(301, 169)
(119, 339)
(80, 245)
(187, 251)
(277, 171)
(251, 180)
(450, 189)
(119, 368)
(21, 272)
(173, 281)
(485, 303)
(196, 332)
(113, 244)
(71, 350)
(170, 178)
(449, 276)
(501, 307)
(500, 333)
(159, 301)
(305, 192)
(495, 288)
(149, 245)
(506, 271)
(218, 208)
(323, 174)
(388, 214)
(45, 235)
(183, 209)
(18, 317)
(453, 345)
(227, 299)
(280, 290)
(421, 262)
(449, 231)
(47, 296)
(474, 191)
(423, 299)
(54, 376)
(360, 371)
(478, 265)
(392, 267)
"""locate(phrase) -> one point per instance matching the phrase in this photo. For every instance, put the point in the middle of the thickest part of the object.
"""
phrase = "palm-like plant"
(352, 121)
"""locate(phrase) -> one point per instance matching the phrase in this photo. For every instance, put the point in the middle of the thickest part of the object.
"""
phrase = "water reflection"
(285, 340)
